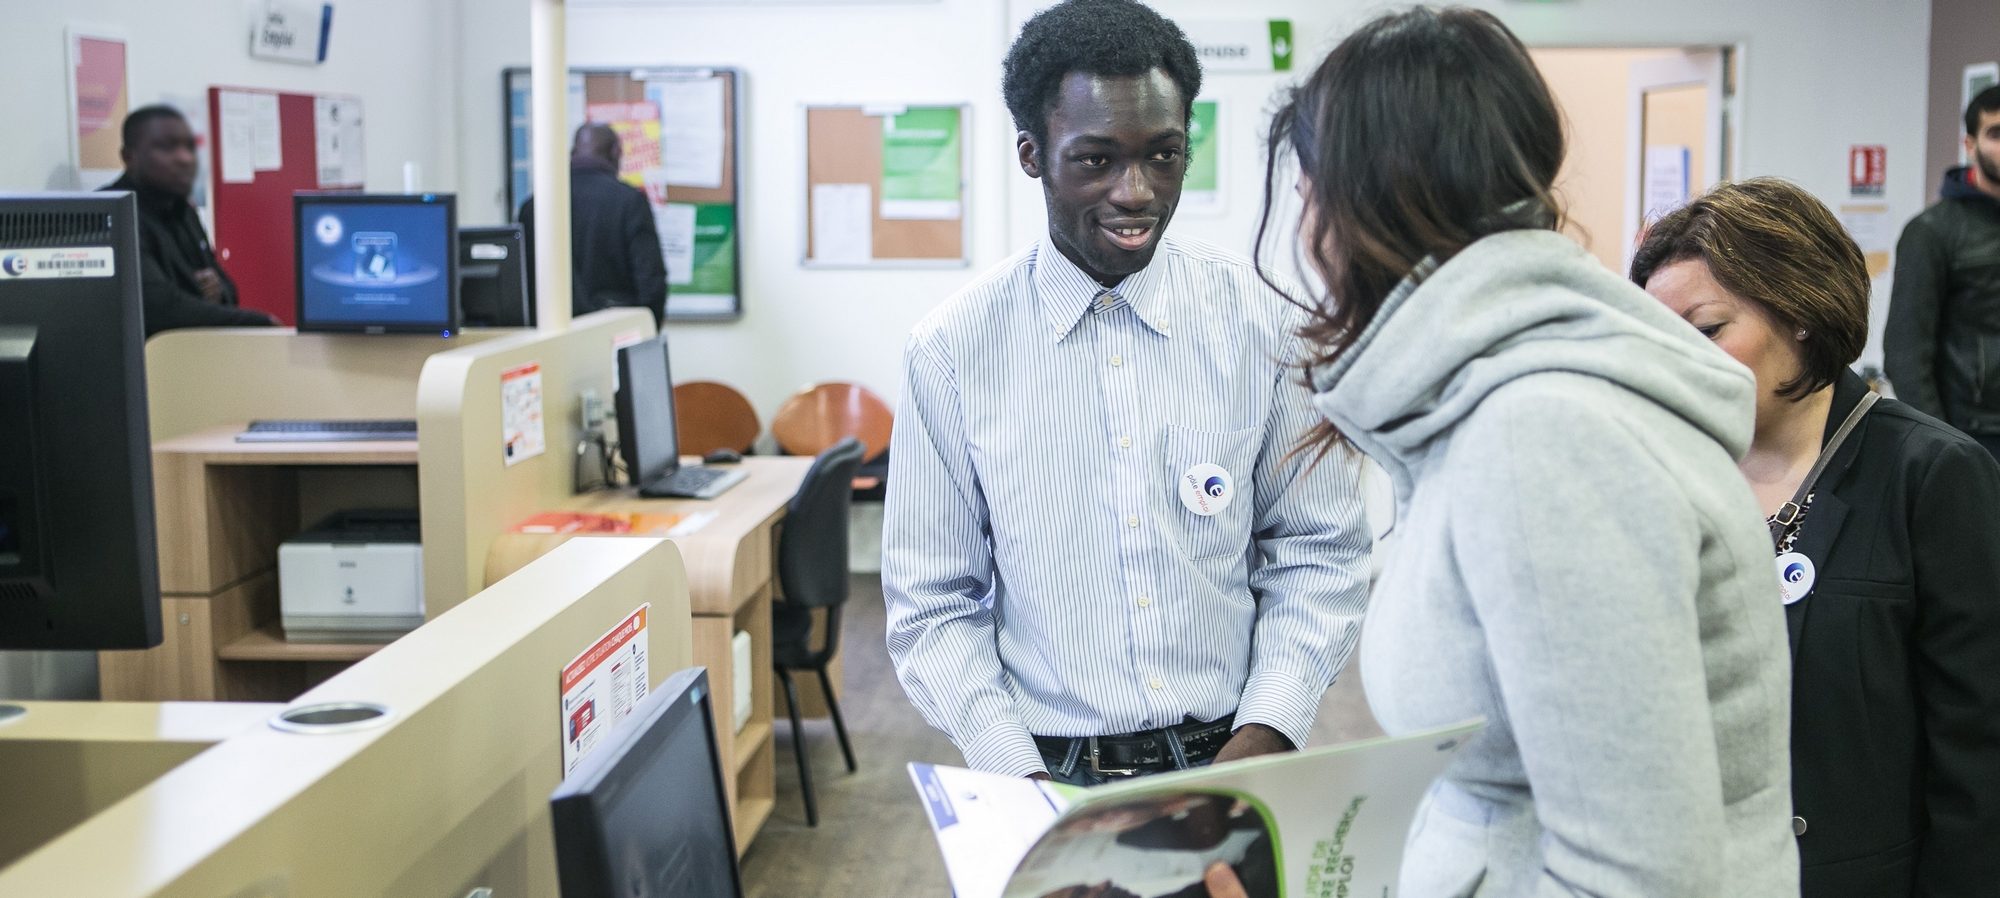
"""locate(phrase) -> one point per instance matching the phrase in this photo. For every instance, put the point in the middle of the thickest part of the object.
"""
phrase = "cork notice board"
(886, 186)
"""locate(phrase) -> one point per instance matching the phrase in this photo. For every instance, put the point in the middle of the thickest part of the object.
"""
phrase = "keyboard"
(692, 483)
(327, 431)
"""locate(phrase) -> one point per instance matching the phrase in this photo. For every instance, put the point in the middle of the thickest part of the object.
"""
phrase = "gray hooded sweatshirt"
(1577, 559)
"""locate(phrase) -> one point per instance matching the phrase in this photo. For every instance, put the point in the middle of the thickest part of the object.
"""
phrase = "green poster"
(921, 161)
(1202, 168)
(714, 251)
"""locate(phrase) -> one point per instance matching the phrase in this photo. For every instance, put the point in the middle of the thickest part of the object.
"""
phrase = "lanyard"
(1788, 514)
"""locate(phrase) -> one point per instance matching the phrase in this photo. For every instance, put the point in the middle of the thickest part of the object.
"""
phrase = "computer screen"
(78, 561)
(493, 278)
(647, 439)
(377, 263)
(644, 815)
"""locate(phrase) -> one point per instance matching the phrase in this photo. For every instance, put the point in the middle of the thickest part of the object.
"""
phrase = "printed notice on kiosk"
(602, 685)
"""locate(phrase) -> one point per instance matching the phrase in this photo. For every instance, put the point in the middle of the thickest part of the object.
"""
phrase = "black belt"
(1131, 754)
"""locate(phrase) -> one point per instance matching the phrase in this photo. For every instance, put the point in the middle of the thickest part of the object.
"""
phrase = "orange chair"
(709, 416)
(823, 414)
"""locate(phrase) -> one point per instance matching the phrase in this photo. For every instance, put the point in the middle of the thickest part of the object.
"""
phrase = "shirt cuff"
(1005, 747)
(1281, 702)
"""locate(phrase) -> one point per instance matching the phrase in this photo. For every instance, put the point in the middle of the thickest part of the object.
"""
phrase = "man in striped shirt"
(1100, 556)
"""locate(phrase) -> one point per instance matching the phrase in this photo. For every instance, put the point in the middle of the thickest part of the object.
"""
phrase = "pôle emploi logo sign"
(1242, 45)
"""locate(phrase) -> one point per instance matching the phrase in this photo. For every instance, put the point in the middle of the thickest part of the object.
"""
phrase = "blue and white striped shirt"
(1042, 573)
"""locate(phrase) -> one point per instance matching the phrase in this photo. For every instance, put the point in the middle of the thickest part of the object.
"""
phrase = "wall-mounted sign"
(291, 31)
(1867, 170)
(1242, 45)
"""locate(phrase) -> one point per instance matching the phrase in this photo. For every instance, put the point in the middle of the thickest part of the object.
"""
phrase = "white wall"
(394, 54)
(1816, 76)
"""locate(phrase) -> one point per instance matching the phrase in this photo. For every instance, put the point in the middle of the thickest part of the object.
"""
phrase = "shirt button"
(1131, 520)
(1117, 360)
(1124, 442)
(1156, 684)
(1145, 601)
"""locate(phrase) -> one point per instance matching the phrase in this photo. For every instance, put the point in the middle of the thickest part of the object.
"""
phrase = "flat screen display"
(377, 264)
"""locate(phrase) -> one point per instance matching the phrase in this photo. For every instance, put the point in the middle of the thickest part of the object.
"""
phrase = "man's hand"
(1222, 881)
(210, 284)
(1250, 740)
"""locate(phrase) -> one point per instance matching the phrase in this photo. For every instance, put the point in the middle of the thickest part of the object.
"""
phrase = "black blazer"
(615, 255)
(1896, 663)
(172, 247)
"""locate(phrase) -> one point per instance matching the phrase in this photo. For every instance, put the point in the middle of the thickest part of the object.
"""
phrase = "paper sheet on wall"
(601, 686)
(266, 133)
(235, 142)
(1873, 231)
(1666, 184)
(521, 413)
(337, 142)
(675, 222)
(843, 224)
(691, 129)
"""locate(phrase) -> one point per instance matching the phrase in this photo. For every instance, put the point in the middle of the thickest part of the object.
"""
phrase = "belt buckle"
(1098, 769)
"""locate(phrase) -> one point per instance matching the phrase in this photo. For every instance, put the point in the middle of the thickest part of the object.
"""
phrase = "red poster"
(1867, 169)
(99, 104)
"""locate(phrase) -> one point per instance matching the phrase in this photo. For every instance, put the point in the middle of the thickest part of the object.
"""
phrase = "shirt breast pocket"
(1227, 531)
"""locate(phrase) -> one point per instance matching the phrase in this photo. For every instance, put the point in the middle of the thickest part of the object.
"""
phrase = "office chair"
(812, 571)
(709, 416)
(820, 415)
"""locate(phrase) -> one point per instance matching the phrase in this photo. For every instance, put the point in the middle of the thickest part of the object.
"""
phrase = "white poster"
(1873, 231)
(1666, 185)
(337, 142)
(266, 133)
(235, 127)
(675, 222)
(843, 224)
(601, 686)
(691, 129)
(521, 413)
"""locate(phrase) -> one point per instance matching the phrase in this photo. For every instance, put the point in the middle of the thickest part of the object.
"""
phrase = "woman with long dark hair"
(1576, 558)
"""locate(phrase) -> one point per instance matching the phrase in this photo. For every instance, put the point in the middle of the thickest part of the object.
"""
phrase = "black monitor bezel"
(455, 316)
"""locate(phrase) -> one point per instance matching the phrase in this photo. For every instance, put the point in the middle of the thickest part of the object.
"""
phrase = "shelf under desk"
(268, 643)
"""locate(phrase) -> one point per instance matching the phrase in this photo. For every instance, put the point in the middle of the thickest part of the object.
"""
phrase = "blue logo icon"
(14, 264)
(1795, 572)
(1215, 487)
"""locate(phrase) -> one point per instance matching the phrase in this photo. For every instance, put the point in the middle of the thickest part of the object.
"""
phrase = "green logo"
(1281, 45)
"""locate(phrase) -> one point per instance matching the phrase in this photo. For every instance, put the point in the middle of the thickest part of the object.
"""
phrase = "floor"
(872, 840)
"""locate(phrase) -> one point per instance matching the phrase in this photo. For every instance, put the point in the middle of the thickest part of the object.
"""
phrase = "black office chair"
(812, 571)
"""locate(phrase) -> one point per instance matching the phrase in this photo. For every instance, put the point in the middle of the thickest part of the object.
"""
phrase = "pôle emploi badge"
(1795, 576)
(1206, 489)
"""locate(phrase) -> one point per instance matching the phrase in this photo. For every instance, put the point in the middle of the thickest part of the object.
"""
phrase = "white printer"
(357, 576)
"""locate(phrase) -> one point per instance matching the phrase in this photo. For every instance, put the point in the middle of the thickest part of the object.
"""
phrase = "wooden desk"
(731, 581)
(223, 508)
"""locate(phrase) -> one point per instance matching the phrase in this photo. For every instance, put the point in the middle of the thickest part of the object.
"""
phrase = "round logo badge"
(1206, 489)
(14, 265)
(1795, 576)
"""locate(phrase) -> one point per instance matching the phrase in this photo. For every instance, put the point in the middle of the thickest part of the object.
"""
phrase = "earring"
(1802, 335)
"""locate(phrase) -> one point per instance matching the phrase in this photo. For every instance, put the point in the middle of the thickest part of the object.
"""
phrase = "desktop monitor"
(377, 263)
(78, 564)
(644, 814)
(645, 404)
(493, 278)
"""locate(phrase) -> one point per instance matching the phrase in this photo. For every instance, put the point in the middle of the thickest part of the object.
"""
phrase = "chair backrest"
(812, 546)
(821, 415)
(711, 416)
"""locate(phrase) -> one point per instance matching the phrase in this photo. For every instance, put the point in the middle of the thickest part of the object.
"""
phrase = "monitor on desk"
(493, 278)
(644, 814)
(647, 438)
(78, 564)
(377, 263)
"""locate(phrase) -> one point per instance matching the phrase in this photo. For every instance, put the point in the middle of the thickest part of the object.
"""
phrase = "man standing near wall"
(1942, 347)
(1100, 556)
(614, 257)
(180, 283)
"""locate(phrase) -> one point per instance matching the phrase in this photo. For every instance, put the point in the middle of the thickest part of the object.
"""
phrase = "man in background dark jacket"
(1942, 347)
(180, 283)
(615, 257)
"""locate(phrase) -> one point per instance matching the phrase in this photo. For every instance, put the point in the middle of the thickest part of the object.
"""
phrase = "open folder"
(1325, 822)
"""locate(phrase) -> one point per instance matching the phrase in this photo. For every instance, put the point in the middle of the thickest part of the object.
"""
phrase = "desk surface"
(217, 445)
(714, 554)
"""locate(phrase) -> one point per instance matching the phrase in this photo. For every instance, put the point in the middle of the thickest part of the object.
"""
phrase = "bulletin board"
(265, 146)
(677, 129)
(886, 186)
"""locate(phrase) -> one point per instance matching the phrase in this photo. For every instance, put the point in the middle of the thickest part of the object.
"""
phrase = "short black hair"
(1985, 101)
(137, 120)
(1097, 37)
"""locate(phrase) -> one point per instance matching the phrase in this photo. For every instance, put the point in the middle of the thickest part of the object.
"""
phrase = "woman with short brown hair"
(1886, 524)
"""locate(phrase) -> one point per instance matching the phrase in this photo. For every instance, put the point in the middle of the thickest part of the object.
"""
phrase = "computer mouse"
(722, 457)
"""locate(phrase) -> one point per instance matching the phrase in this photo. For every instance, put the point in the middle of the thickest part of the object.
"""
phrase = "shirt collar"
(1067, 293)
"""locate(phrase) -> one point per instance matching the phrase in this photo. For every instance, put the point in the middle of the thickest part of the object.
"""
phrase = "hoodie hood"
(1509, 306)
(1958, 186)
